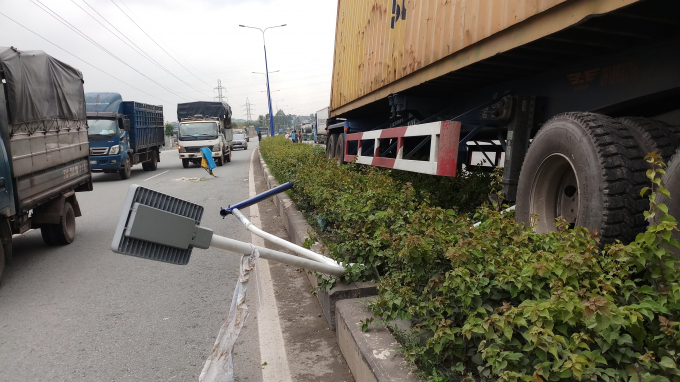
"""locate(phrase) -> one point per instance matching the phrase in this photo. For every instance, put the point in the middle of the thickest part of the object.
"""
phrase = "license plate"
(93, 162)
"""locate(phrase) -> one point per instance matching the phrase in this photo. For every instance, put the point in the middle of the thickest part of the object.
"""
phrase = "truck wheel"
(330, 146)
(586, 168)
(219, 161)
(152, 165)
(62, 233)
(185, 163)
(145, 166)
(340, 148)
(652, 135)
(126, 171)
(672, 181)
(228, 156)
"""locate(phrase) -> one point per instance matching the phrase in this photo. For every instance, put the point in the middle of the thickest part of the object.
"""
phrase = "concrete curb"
(297, 228)
(370, 355)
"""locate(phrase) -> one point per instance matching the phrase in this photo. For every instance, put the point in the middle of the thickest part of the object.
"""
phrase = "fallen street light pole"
(160, 227)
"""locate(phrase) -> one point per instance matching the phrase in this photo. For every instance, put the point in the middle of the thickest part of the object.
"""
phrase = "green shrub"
(497, 301)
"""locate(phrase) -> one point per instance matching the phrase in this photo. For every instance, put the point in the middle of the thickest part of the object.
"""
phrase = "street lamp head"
(283, 25)
(242, 26)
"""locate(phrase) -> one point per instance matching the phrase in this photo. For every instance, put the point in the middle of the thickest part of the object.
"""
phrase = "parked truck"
(204, 124)
(43, 148)
(320, 126)
(567, 95)
(123, 134)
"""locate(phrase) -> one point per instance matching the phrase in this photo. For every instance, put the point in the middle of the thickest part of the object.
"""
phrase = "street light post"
(266, 66)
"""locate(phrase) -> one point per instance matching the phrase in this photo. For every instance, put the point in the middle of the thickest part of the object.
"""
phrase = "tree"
(168, 129)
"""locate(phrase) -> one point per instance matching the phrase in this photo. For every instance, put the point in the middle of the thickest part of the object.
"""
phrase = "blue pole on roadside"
(269, 96)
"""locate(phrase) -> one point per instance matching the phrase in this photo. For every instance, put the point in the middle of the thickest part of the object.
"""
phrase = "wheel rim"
(555, 193)
(70, 224)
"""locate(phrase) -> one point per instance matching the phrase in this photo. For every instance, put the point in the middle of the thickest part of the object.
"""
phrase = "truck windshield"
(198, 130)
(101, 127)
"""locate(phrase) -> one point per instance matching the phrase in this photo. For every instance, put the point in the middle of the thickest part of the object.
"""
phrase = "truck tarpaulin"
(220, 110)
(41, 88)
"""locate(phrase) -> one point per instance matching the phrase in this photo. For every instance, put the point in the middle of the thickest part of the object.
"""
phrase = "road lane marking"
(272, 348)
(155, 175)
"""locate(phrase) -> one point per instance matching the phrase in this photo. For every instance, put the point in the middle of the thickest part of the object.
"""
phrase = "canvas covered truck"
(43, 147)
(123, 134)
(567, 95)
(204, 124)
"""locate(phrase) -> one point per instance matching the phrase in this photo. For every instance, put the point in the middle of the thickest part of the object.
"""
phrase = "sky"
(197, 43)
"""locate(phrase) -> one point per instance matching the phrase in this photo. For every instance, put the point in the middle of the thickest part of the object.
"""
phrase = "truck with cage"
(568, 96)
(43, 148)
(123, 134)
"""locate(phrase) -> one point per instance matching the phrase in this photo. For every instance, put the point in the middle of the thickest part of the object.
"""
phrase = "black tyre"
(340, 148)
(126, 171)
(2, 262)
(219, 161)
(145, 166)
(62, 233)
(653, 135)
(588, 169)
(152, 165)
(185, 163)
(330, 146)
(228, 156)
(672, 182)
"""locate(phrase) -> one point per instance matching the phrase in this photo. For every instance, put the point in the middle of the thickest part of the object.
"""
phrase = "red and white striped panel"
(443, 148)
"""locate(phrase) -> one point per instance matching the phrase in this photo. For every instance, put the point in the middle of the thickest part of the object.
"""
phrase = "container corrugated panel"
(377, 43)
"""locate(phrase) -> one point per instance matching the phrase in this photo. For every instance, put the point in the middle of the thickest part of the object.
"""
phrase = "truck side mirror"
(126, 124)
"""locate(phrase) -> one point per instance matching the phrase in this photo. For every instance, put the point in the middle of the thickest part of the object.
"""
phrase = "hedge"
(497, 301)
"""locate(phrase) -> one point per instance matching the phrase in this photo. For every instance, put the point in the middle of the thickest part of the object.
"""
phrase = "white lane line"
(272, 348)
(155, 175)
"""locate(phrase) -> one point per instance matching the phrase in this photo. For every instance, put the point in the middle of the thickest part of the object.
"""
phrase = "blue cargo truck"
(123, 134)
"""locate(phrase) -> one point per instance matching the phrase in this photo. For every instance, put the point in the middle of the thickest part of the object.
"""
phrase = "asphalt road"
(82, 313)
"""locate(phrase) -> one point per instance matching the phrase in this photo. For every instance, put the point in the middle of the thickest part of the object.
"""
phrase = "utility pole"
(219, 90)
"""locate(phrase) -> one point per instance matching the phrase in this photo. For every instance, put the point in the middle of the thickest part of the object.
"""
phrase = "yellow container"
(381, 50)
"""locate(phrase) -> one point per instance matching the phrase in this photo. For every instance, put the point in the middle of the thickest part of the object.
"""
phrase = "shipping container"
(566, 95)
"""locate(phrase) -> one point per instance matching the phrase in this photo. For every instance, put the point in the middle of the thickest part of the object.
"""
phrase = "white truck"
(204, 124)
(321, 133)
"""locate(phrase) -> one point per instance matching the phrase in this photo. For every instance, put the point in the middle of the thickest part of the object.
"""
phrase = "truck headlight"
(216, 148)
(182, 149)
(114, 150)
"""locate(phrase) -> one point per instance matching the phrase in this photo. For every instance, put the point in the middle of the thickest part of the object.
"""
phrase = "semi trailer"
(123, 134)
(43, 148)
(204, 124)
(568, 96)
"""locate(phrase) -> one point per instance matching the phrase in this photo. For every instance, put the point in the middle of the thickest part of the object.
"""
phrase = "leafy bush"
(498, 301)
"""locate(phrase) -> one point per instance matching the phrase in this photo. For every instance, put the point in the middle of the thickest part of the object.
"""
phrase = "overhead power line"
(95, 67)
(140, 51)
(56, 16)
(157, 44)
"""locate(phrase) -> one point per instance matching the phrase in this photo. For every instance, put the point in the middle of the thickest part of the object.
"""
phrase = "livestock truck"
(123, 134)
(567, 95)
(204, 124)
(43, 148)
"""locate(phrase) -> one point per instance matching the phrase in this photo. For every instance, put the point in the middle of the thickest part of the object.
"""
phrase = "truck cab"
(197, 132)
(108, 136)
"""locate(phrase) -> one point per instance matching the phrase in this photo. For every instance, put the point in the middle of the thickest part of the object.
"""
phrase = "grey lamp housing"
(159, 227)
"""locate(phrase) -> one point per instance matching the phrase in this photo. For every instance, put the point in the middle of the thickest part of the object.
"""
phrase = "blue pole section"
(257, 198)
(269, 95)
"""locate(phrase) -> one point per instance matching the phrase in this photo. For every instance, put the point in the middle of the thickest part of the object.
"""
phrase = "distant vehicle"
(264, 131)
(204, 124)
(123, 134)
(282, 131)
(43, 148)
(239, 142)
(320, 126)
(242, 132)
(307, 129)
